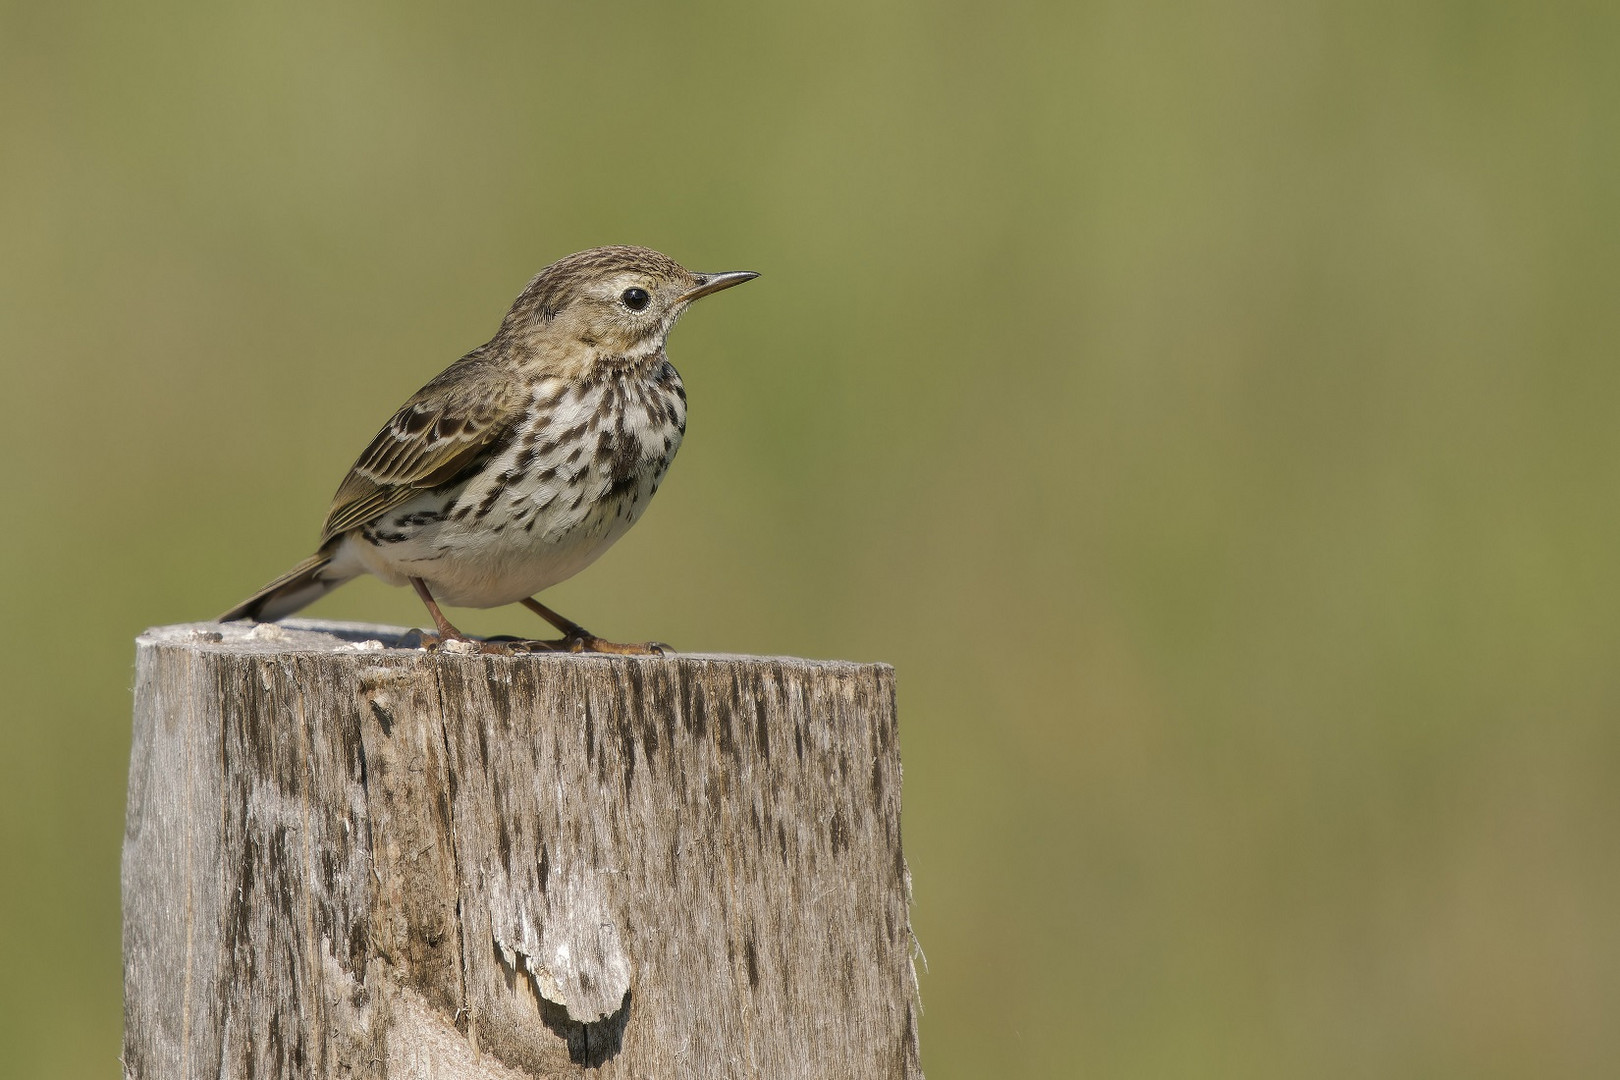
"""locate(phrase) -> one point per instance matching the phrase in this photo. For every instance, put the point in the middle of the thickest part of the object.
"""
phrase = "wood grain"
(347, 858)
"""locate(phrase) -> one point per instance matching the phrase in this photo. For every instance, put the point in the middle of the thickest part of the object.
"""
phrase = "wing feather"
(442, 432)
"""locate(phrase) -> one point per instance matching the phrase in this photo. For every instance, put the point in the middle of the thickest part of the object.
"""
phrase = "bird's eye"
(635, 298)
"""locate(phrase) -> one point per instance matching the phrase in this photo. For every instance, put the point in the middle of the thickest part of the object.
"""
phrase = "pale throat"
(653, 344)
(641, 350)
(641, 353)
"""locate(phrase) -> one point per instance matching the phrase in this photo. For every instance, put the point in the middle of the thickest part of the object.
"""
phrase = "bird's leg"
(575, 638)
(447, 632)
(503, 646)
(567, 627)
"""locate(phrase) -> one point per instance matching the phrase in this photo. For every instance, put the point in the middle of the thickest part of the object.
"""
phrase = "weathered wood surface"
(346, 858)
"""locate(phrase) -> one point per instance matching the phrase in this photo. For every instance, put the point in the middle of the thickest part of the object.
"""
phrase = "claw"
(585, 642)
(578, 639)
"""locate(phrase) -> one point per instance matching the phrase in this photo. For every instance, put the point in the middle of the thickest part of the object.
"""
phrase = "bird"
(522, 462)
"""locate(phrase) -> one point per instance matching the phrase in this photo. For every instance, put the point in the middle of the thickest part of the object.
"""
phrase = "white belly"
(485, 568)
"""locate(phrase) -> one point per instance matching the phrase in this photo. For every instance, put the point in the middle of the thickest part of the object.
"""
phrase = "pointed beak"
(713, 283)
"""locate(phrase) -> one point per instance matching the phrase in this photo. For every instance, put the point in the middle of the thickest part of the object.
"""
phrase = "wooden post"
(344, 858)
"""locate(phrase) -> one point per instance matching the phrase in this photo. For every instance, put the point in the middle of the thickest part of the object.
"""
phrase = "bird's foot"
(462, 644)
(507, 645)
(582, 640)
(575, 638)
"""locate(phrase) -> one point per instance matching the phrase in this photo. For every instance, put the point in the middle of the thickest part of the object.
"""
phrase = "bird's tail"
(296, 589)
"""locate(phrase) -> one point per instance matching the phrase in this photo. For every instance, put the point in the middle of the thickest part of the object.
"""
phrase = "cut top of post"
(341, 850)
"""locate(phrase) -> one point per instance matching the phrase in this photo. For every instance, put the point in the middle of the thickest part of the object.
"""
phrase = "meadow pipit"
(523, 461)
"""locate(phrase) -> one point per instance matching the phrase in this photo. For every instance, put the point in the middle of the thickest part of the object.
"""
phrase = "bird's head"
(619, 301)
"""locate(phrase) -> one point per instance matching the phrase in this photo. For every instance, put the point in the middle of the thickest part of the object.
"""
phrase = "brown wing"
(433, 438)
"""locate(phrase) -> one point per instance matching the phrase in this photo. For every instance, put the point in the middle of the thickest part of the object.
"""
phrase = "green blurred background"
(1210, 409)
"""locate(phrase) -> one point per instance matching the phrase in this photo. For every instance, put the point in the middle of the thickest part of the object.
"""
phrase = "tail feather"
(296, 589)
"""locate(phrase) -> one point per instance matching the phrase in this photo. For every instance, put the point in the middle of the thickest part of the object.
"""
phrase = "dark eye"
(635, 298)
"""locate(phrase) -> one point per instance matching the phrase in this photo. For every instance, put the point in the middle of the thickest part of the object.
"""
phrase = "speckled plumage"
(527, 458)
